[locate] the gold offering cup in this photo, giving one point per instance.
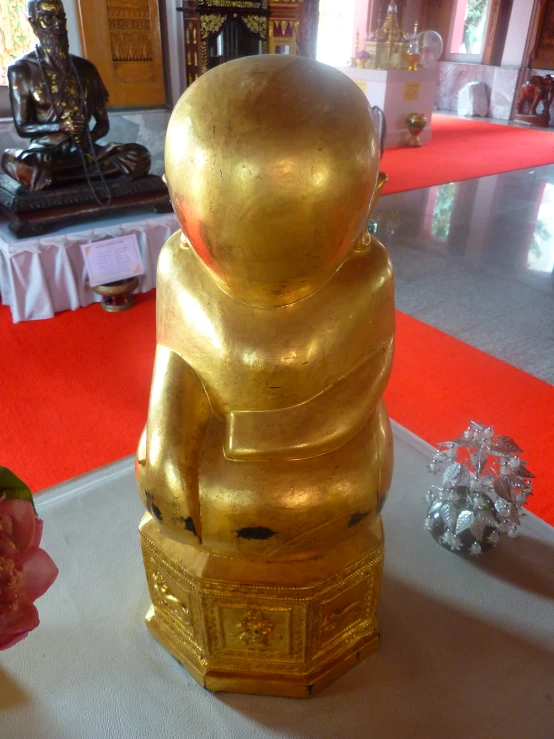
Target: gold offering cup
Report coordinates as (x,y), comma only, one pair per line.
(413,61)
(416,122)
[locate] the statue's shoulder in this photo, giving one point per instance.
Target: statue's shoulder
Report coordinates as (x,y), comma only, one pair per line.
(379,256)
(369,263)
(84,65)
(172,260)
(24,63)
(365,277)
(97,94)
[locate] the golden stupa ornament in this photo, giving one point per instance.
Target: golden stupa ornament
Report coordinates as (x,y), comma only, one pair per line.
(267,454)
(387,47)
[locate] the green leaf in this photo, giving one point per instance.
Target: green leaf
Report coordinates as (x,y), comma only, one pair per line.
(14,488)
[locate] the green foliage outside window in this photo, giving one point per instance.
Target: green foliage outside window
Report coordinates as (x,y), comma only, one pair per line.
(474,25)
(16,37)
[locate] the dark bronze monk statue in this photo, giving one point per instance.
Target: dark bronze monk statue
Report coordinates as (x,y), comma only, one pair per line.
(54,96)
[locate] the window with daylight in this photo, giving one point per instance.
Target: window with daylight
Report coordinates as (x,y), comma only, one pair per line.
(468,29)
(335,31)
(16,37)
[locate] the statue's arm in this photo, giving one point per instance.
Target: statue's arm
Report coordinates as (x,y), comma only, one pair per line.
(102,123)
(178,415)
(320,424)
(97,98)
(23,105)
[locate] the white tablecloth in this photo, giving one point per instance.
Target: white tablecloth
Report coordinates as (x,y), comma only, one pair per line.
(44,275)
(466,652)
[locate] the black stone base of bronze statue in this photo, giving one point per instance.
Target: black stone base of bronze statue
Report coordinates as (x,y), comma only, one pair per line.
(31,213)
(539,119)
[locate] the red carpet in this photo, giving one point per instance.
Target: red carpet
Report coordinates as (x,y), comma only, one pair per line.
(74,393)
(462,149)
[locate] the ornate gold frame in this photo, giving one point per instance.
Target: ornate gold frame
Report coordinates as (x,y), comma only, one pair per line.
(211,23)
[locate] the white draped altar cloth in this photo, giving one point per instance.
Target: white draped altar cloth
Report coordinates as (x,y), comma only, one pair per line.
(466,651)
(46,274)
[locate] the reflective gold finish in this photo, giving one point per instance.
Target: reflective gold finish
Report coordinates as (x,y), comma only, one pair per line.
(235,629)
(416,122)
(267,454)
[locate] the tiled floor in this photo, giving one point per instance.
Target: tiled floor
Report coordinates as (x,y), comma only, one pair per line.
(476,259)
(500,122)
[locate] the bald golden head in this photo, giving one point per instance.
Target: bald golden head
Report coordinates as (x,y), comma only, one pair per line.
(271,163)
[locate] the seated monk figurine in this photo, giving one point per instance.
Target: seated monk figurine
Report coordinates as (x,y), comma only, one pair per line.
(54,95)
(267,453)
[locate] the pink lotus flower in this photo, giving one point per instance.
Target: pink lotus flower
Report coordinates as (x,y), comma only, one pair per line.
(26,572)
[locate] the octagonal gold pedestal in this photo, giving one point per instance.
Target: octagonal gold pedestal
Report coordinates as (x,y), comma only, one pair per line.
(242,625)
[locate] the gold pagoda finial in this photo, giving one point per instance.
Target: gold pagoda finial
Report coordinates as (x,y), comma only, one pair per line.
(387,46)
(390,29)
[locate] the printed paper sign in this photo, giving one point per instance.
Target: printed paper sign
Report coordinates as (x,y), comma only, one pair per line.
(362,84)
(411,91)
(112,259)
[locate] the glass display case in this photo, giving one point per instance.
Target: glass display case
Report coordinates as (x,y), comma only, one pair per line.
(217,31)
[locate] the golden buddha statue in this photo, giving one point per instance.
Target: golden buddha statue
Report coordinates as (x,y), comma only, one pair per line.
(267,453)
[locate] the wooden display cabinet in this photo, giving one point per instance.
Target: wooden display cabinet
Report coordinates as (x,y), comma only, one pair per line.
(217,31)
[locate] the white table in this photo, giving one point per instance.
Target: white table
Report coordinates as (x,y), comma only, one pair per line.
(398,92)
(466,653)
(44,275)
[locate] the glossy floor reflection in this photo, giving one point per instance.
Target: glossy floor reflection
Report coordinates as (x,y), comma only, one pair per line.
(476,259)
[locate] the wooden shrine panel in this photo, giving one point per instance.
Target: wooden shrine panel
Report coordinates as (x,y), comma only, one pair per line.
(205,20)
(496,31)
(122,38)
(280,26)
(284,21)
(436,16)
(543,52)
(306,38)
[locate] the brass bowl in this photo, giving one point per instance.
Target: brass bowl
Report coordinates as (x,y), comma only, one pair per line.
(117,296)
(416,122)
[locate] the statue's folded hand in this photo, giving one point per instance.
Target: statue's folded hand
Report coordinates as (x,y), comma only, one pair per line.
(169,491)
(74,126)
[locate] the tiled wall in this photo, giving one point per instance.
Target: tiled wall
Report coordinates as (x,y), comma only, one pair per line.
(501,82)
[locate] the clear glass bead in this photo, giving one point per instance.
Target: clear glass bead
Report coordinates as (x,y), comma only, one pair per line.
(475,548)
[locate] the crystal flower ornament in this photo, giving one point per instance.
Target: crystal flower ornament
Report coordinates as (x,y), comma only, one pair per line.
(484,486)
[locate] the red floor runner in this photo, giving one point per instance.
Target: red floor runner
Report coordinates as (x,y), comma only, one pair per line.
(439,383)
(462,149)
(74,393)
